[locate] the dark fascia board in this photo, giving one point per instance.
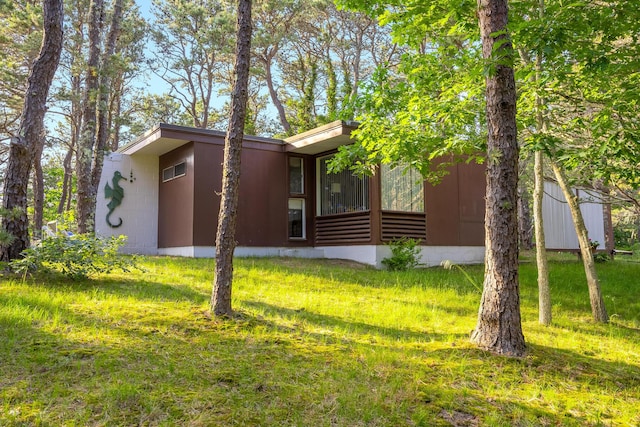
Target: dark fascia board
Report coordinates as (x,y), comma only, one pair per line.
(163,138)
(321,139)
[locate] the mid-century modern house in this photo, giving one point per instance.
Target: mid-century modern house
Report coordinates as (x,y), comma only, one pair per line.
(162,191)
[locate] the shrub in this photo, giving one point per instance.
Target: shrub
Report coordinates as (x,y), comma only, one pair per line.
(78,256)
(601,257)
(405,254)
(7,238)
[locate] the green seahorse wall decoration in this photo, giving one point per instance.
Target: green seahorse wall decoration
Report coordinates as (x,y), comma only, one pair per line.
(116,194)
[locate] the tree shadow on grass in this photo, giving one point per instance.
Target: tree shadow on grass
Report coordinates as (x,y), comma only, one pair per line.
(348,326)
(546,372)
(135,288)
(210,362)
(460,397)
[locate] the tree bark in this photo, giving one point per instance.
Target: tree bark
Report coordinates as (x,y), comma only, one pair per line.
(84,153)
(282,115)
(67,183)
(544,292)
(609,240)
(525,235)
(30,133)
(595,295)
(225,238)
(38,192)
(102,134)
(499,328)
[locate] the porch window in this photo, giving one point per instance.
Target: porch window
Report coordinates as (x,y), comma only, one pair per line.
(296,219)
(402,189)
(296,175)
(341,192)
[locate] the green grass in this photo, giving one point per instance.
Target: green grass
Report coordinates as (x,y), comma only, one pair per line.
(315,343)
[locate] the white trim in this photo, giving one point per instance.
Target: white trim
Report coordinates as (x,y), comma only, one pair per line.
(189,251)
(373,255)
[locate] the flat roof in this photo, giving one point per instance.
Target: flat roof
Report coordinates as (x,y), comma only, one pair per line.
(164,137)
(324,138)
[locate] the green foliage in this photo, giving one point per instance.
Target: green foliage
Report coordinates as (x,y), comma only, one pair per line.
(427,112)
(20,37)
(78,256)
(578,75)
(601,257)
(576,71)
(5,237)
(405,254)
(624,237)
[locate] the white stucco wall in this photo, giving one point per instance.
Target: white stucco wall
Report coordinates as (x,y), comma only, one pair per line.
(139,208)
(559,231)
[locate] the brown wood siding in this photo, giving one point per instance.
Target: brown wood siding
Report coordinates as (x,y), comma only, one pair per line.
(343,229)
(455,207)
(175,200)
(472,186)
(262,206)
(395,225)
(208,184)
(263,209)
(189,205)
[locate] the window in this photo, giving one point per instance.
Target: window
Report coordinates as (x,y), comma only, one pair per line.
(402,189)
(296,219)
(175,171)
(296,175)
(341,192)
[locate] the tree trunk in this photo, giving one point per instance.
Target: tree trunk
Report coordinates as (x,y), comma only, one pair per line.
(84,153)
(544,292)
(225,238)
(67,183)
(30,133)
(609,239)
(102,134)
(595,295)
(38,192)
(525,235)
(499,328)
(282,115)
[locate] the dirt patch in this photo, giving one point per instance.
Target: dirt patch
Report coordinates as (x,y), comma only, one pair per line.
(459,419)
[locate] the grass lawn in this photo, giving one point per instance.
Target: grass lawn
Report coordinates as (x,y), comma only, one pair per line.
(315,343)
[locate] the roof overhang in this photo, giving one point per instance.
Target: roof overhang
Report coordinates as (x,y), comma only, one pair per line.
(163,138)
(321,139)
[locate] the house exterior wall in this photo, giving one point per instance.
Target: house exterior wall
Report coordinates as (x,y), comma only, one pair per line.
(262,209)
(559,231)
(455,207)
(139,208)
(189,205)
(176,200)
(179,216)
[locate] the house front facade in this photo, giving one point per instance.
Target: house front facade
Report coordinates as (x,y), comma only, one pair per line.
(290,205)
